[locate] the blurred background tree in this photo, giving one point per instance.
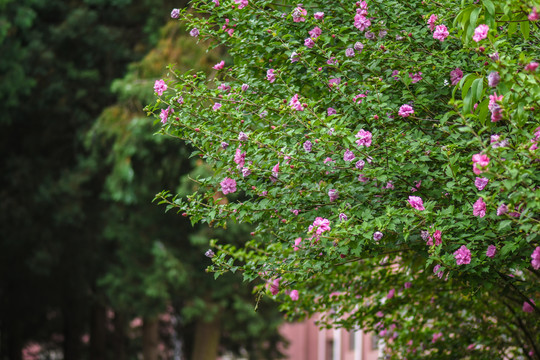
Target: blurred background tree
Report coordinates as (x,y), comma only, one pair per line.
(83,250)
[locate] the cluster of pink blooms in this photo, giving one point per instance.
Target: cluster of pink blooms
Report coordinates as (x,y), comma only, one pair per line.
(441,33)
(480,163)
(160,87)
(431,22)
(528,308)
(480,32)
(241,3)
(361,22)
(270,76)
(320,225)
(533,16)
(165,114)
(415,77)
(216,106)
(535,262)
(295,104)
(228,185)
(437,235)
(405,110)
(480,183)
(315,33)
(298,14)
(359,96)
(491,251)
(333,194)
(416,202)
(229,30)
(455,76)
(219,65)
(438,272)
(479,208)
(462,255)
(348,156)
(294,295)
(273,286)
(494,107)
(364,138)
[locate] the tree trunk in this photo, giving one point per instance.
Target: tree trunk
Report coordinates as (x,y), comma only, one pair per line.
(207,335)
(119,337)
(98,332)
(150,339)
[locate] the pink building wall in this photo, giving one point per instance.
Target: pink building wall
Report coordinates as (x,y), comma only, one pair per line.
(307,342)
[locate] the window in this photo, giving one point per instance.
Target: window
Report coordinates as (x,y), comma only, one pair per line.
(374,342)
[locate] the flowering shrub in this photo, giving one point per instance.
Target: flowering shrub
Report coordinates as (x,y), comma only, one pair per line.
(447,175)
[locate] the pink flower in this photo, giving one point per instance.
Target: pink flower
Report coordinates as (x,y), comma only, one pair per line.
(309,42)
(216,106)
(241,3)
(315,33)
(533,16)
(528,308)
(228,185)
(273,286)
(331,111)
(377,235)
(320,225)
(297,243)
(481,183)
(245,172)
(160,87)
(455,76)
(348,156)
(275,170)
(436,337)
(462,256)
(175,13)
(239,158)
(333,194)
(359,96)
(358,46)
(294,57)
(270,75)
(318,15)
(245,87)
(391,294)
(343,217)
(334,82)
(491,251)
(416,202)
(294,295)
(479,208)
(194,32)
(295,104)
(415,77)
(349,52)
(360,164)
(298,14)
(535,262)
(364,138)
(307,146)
(532,66)
(216,2)
(502,209)
(405,110)
(480,32)
(164,114)
(493,79)
(242,136)
(480,163)
(431,21)
(438,272)
(437,235)
(408,285)
(441,33)
(361,22)
(219,65)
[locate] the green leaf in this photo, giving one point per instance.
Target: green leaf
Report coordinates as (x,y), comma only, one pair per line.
(525,29)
